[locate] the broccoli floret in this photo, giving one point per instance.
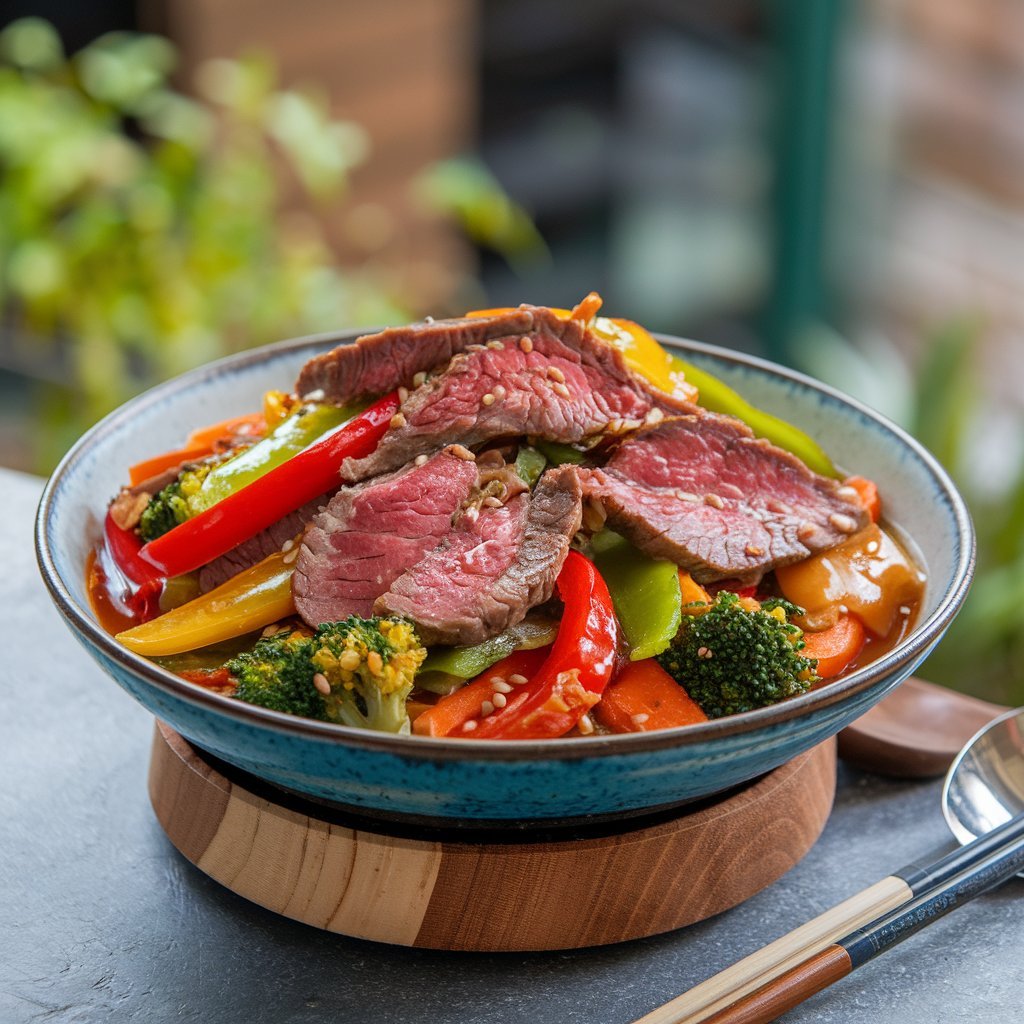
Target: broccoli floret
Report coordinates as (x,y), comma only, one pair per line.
(173,505)
(368,665)
(731,659)
(278,674)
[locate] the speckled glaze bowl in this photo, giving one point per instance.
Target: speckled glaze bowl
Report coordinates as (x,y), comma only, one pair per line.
(477,782)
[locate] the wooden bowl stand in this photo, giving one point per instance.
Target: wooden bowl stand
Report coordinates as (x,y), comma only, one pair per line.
(450,891)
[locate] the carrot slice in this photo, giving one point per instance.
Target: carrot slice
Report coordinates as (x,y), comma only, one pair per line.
(691,591)
(158,463)
(867,491)
(450,713)
(836,646)
(645,697)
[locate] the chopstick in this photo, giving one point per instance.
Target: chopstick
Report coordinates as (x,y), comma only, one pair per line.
(893,895)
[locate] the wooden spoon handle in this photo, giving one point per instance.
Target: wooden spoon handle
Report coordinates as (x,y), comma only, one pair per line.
(774,960)
(789,989)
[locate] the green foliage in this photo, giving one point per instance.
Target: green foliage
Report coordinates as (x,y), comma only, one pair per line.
(730,659)
(369,665)
(140,227)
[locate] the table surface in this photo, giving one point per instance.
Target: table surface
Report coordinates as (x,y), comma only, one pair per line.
(102,920)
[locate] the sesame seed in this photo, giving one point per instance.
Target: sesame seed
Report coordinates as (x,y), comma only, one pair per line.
(516,679)
(288,544)
(586,726)
(421,460)
(271,629)
(314,396)
(428,319)
(349,660)
(492,502)
(499,699)
(753,551)
(709,654)
(526,344)
(500,392)
(498,685)
(461,452)
(321,684)
(639,719)
(488,399)
(806,530)
(419,379)
(872,546)
(403,394)
(469,726)
(498,346)
(472,513)
(654,416)
(556,374)
(846,492)
(686,496)
(398,420)
(701,652)
(561,389)
(375,663)
(714,501)
(904,609)
(290,556)
(844,524)
(486,708)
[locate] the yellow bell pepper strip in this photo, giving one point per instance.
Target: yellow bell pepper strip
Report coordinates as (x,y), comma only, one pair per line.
(645,592)
(288,438)
(252,599)
(239,516)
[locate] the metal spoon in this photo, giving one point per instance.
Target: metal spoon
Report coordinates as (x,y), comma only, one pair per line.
(984,789)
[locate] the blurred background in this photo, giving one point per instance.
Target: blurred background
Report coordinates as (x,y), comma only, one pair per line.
(836,186)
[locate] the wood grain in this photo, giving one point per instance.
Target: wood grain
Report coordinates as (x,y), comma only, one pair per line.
(789,990)
(461,894)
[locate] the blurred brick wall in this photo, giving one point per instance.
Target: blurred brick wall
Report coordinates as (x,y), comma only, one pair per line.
(403,69)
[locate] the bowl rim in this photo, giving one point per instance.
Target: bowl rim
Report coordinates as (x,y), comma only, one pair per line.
(914,646)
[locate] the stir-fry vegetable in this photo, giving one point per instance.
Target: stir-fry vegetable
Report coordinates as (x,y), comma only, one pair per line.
(289,438)
(254,598)
(644,697)
(285,488)
(645,592)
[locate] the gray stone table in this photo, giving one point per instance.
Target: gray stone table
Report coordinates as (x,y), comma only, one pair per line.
(102,920)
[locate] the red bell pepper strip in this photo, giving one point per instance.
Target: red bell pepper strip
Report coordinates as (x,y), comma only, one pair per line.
(124,546)
(574,674)
(242,515)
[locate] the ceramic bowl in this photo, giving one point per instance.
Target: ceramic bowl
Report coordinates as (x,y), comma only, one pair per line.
(459,781)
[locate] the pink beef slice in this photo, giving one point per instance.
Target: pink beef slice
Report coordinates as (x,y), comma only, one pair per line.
(370,534)
(701,491)
(558,382)
(378,363)
(255,549)
(491,569)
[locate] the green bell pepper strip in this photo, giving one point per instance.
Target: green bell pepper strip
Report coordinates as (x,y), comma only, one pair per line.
(718,397)
(557,453)
(446,668)
(645,592)
(288,438)
(530,463)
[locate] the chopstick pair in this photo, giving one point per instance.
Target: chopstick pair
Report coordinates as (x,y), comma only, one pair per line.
(808,959)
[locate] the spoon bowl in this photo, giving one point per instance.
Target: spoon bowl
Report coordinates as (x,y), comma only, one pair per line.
(985,784)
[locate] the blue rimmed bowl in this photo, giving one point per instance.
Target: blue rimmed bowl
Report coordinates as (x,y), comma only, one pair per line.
(477,782)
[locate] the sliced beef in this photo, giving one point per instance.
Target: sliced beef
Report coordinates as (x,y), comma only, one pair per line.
(558,382)
(378,363)
(255,549)
(703,492)
(492,568)
(370,534)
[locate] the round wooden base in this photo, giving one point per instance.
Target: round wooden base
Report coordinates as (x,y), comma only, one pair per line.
(449,892)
